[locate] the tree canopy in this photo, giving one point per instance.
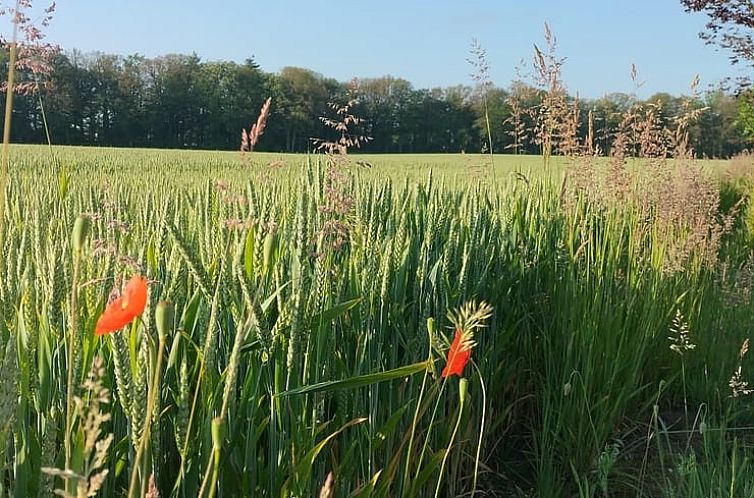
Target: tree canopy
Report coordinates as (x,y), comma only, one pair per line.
(181,101)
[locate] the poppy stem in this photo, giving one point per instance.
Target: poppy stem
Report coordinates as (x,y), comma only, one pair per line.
(413,426)
(429,429)
(462,395)
(415,421)
(481,427)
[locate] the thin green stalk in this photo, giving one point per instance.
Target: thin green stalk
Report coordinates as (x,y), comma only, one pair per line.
(9,101)
(5,164)
(213,466)
(217,426)
(415,421)
(685,399)
(734,453)
(481,429)
(145,435)
(489,132)
(184,450)
(44,122)
(9,94)
(429,429)
(71,362)
(219,422)
(462,388)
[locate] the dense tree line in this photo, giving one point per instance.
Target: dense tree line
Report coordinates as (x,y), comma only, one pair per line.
(180,101)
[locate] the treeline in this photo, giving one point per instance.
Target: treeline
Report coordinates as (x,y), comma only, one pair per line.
(180,101)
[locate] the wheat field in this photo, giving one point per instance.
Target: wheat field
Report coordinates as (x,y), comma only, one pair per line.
(300,312)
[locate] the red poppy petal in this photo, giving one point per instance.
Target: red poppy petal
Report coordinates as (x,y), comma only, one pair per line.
(457,357)
(136,295)
(115,317)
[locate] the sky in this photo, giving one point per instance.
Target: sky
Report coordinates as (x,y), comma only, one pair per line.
(423,41)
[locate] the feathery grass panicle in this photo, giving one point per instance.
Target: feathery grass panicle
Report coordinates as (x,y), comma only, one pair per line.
(250,139)
(738,386)
(90,468)
(680,337)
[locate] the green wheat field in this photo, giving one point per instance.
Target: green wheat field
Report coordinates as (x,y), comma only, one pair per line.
(313,304)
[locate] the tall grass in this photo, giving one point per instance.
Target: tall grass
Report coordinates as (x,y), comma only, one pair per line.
(292,356)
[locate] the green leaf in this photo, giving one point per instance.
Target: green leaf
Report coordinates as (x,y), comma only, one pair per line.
(359,381)
(433,273)
(152,256)
(174,351)
(269,251)
(389,426)
(248,255)
(64,180)
(267,302)
(426,473)
(45,362)
(366,490)
(190,313)
(323,317)
(334,312)
(304,468)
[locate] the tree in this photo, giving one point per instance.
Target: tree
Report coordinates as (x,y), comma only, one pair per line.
(381,100)
(731,26)
(720,133)
(302,95)
(494,111)
(746,114)
(181,101)
(173,100)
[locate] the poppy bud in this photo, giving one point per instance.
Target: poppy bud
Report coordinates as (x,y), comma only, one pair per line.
(164,316)
(80,232)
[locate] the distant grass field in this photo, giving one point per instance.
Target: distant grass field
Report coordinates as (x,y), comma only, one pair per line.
(95,161)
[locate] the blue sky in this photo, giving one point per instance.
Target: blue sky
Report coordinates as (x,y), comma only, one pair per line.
(424,41)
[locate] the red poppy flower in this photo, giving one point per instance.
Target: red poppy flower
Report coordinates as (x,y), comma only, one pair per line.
(458,355)
(122,311)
